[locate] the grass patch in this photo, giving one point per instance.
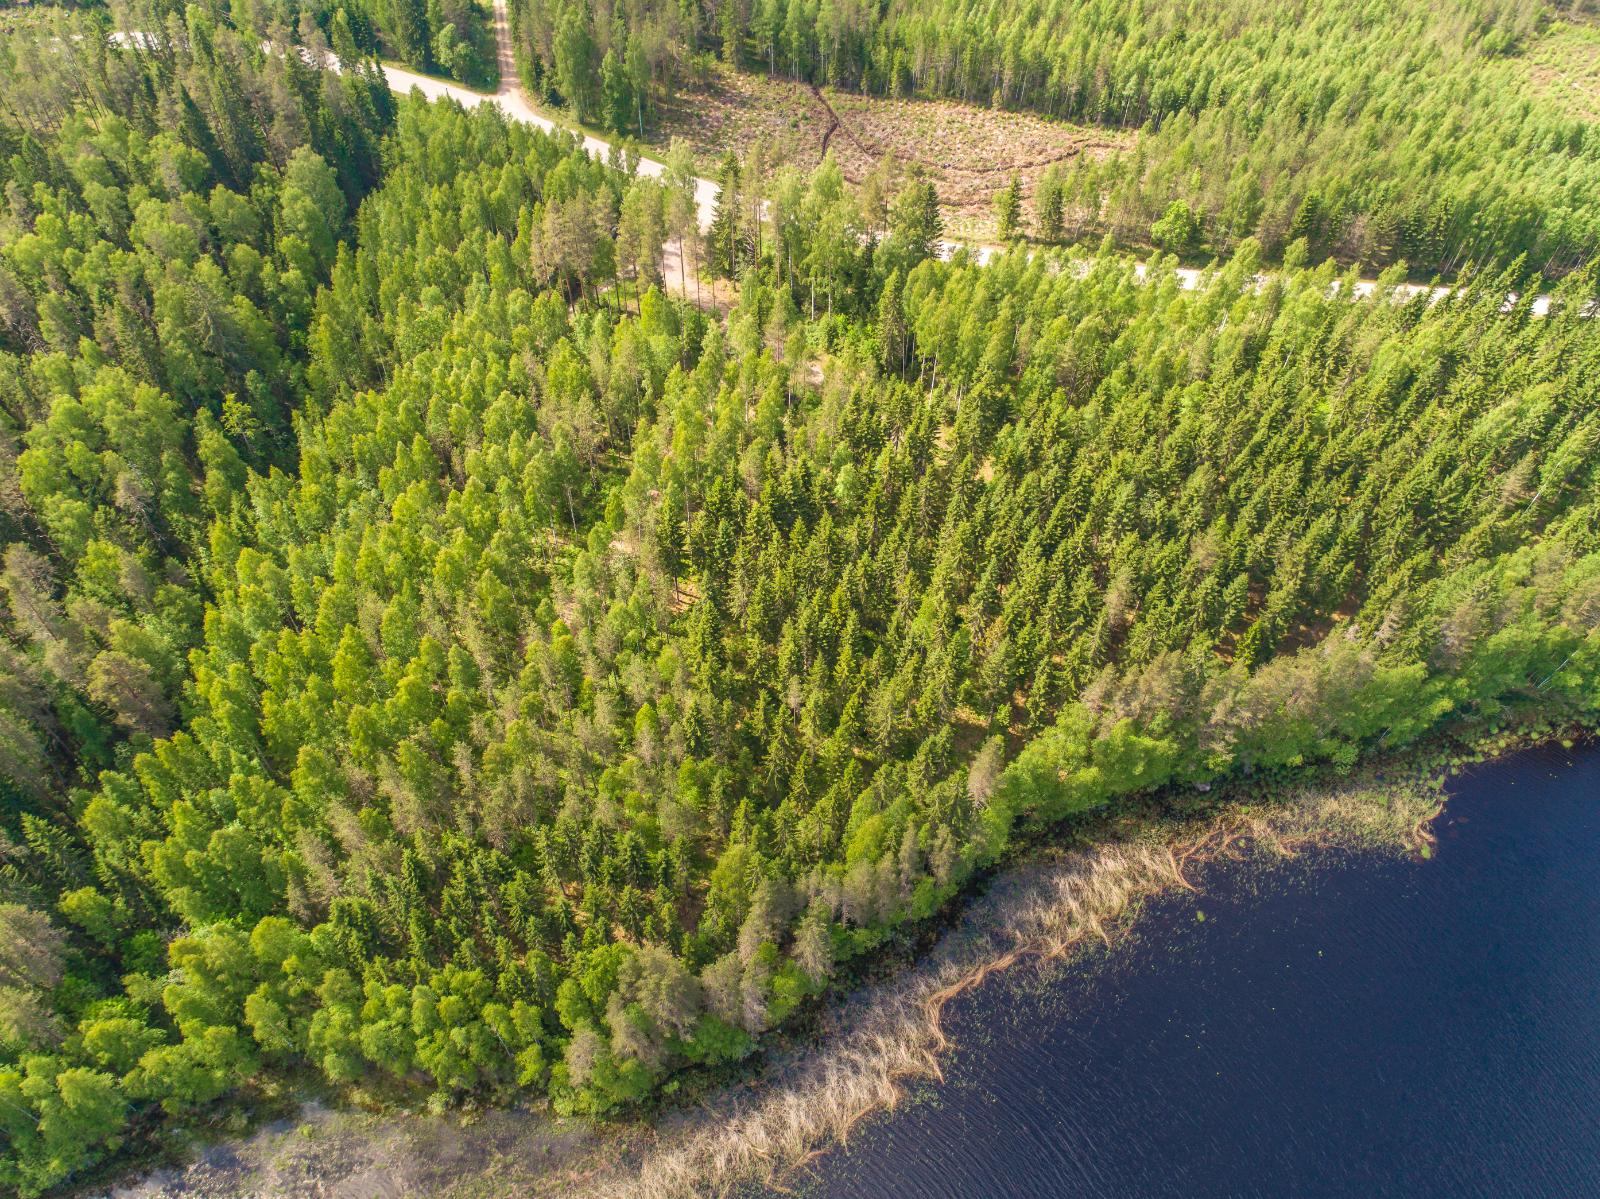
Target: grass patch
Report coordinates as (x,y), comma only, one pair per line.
(1564,67)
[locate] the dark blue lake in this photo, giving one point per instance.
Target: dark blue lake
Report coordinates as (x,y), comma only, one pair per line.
(1347,1025)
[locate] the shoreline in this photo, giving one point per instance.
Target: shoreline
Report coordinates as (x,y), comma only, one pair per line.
(1063,894)
(1050,908)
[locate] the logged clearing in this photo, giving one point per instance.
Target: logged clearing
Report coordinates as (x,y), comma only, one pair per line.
(1564,66)
(969,153)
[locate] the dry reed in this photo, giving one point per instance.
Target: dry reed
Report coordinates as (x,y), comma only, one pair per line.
(896,1035)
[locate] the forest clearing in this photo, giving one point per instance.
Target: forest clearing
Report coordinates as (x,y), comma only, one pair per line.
(967,153)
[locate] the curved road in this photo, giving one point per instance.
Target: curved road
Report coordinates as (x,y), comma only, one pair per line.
(514,104)
(510,100)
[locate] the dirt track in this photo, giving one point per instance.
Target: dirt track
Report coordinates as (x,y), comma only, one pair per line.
(955,126)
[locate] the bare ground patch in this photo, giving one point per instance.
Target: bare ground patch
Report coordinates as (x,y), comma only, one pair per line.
(738,111)
(969,153)
(689,279)
(1564,66)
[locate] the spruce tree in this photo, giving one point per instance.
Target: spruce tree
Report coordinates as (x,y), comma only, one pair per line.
(1008,211)
(723,239)
(1049,201)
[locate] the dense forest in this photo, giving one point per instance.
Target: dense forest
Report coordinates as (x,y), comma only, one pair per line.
(440,656)
(442,37)
(1375,131)
(452,38)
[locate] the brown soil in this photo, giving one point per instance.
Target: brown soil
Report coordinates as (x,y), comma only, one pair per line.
(969,153)
(680,278)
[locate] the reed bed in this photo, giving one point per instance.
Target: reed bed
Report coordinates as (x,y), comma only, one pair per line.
(895,1036)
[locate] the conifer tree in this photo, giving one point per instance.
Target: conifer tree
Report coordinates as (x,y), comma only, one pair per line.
(1049,201)
(1008,211)
(724,238)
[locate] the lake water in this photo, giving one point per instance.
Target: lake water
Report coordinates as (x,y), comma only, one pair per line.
(1348,1026)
